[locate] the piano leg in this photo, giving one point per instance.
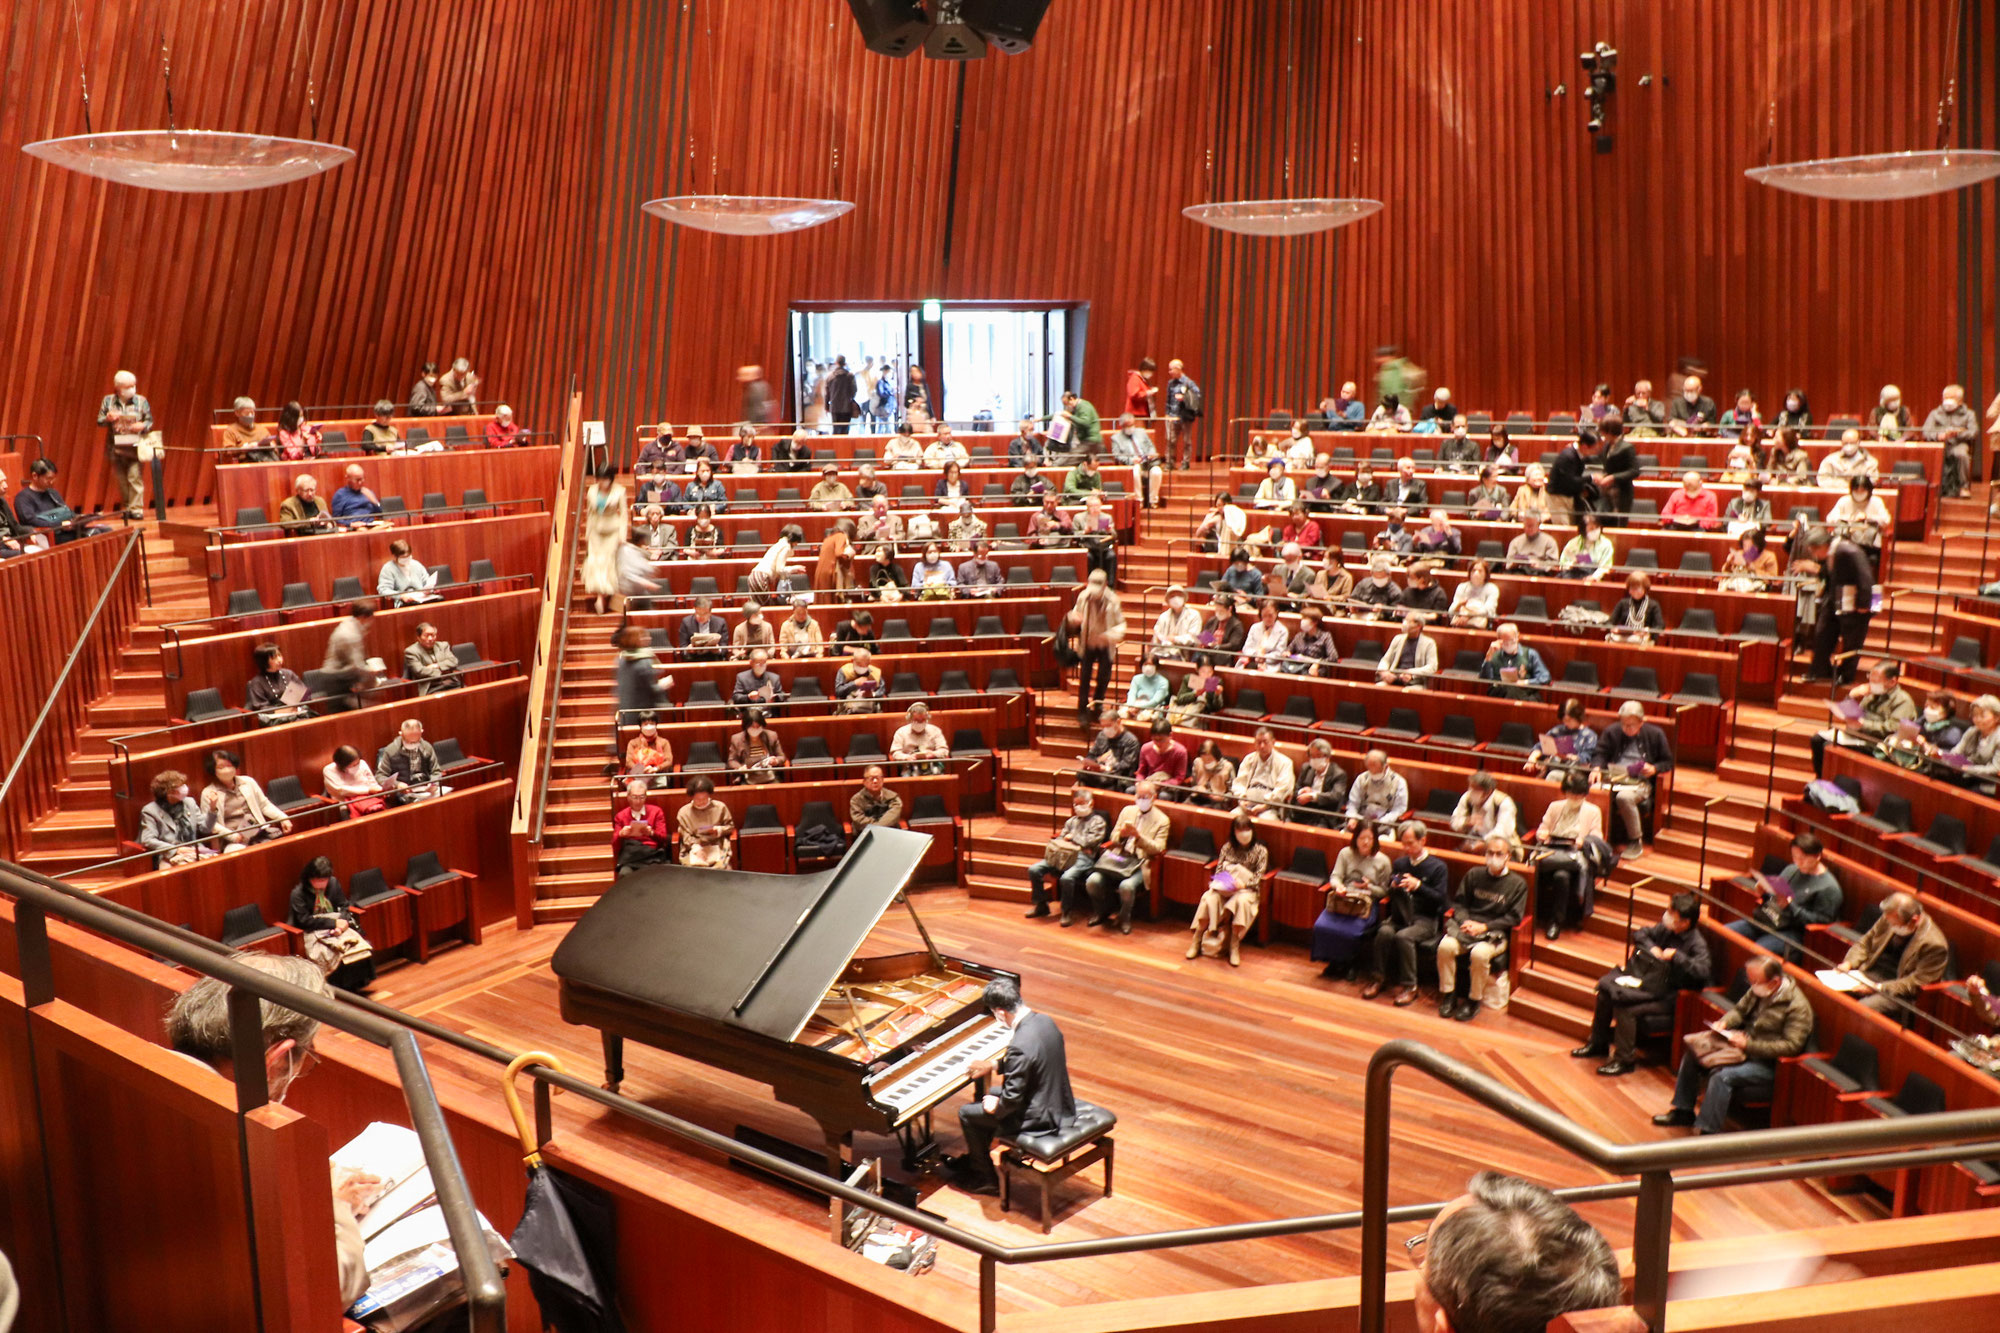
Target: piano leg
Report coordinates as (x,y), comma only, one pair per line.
(837,1145)
(614,1061)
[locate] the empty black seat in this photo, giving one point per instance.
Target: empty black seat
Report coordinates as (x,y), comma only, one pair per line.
(246,925)
(434,500)
(1299,709)
(953,682)
(1020,574)
(1458,728)
(905,683)
(455,434)
(371,886)
(912,491)
(863,745)
(968,743)
(207,706)
(1249,704)
(1003,680)
(1367,652)
(1036,625)
(1491,552)
(347,588)
(245,602)
(1403,723)
(474,497)
(296,594)
(1917,1096)
(703,585)
(810,751)
(251,516)
(1697,562)
(1531,606)
(1856,1066)
(1577,672)
(450,754)
(1348,715)
(896,629)
(416,435)
(288,794)
(1441,802)
(761,819)
(469,657)
(1700,687)
(789,495)
(1645,509)
(1644,557)
(703,693)
(1562,423)
(807,686)
(1514,738)
(1965,654)
(1638,680)
(988,627)
(442,575)
(943,627)
(480,571)
(702,757)
(1758,625)
(393,506)
(1945,837)
(1697,620)
(1892,815)
(1467,661)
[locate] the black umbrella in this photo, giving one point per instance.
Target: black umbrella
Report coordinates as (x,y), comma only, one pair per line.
(567,1235)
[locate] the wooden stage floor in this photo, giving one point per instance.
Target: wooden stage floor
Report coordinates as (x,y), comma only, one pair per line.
(1238,1092)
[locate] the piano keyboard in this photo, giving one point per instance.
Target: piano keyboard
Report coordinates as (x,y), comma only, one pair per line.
(925,1079)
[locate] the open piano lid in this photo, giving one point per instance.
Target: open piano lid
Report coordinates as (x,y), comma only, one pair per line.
(758,951)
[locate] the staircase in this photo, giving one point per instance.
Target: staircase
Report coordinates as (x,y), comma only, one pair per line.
(79,832)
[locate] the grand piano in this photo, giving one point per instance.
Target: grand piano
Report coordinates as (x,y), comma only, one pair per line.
(758,975)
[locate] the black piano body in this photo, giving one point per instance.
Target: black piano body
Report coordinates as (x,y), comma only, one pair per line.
(757,975)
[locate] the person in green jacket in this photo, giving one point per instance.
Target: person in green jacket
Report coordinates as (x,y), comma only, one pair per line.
(1086,430)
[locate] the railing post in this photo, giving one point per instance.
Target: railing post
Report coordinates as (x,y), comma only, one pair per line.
(989,1294)
(31,945)
(1375,1199)
(1652,1234)
(246,1050)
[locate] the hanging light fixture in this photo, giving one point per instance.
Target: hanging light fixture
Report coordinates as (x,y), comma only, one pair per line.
(1283,217)
(182,160)
(743,214)
(1873,176)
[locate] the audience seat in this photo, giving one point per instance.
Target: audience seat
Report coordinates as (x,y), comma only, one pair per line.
(704,694)
(761,845)
(469,657)
(1514,738)
(950,682)
(864,746)
(289,795)
(245,602)
(481,571)
(810,752)
(807,686)
(296,595)
(207,706)
(1348,715)
(1531,606)
(1249,705)
(703,757)
(244,927)
(905,683)
(347,588)
(1402,724)
(1580,673)
(1891,815)
(968,743)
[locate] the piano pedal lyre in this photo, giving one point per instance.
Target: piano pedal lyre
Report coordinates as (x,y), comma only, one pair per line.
(920,1144)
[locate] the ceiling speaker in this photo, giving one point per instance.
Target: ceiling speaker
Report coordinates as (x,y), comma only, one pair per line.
(891,27)
(954,41)
(1008,24)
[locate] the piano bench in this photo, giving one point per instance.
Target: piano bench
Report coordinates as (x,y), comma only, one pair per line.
(1054,1157)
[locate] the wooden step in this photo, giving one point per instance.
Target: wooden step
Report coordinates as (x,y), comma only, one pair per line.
(1546,1011)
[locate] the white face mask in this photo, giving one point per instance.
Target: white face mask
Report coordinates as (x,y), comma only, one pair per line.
(1082,808)
(1764,992)
(1934,715)
(1177,602)
(1245,839)
(1143,804)
(1496,865)
(1151,670)
(1908,930)
(180,793)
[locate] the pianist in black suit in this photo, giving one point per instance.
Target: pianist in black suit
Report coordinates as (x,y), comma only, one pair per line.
(1033,1097)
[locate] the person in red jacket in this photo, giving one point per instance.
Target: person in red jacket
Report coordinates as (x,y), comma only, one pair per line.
(1164,759)
(639,834)
(1140,389)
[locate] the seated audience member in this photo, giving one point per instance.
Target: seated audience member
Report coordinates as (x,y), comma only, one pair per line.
(932,575)
(944,450)
(1163,759)
(1412,916)
(1360,880)
(1637,616)
(1644,414)
(1491,900)
(1070,857)
(303,513)
(755,754)
(639,833)
(920,746)
(404,579)
(1178,629)
(752,632)
(354,504)
(1691,412)
(1411,657)
(705,826)
(432,661)
(1438,536)
(1803,894)
(830,493)
(868,488)
(1241,578)
(1312,650)
(1693,505)
(1028,486)
(660,539)
(1485,812)
(330,929)
(1632,752)
(171,826)
(1228,907)
(1291,577)
(1123,869)
(1665,960)
(409,765)
(200,1026)
(757,683)
(1977,754)
(1266,644)
(1749,507)
(1389,416)
(1345,410)
(799,635)
(1113,756)
(702,633)
(874,802)
(1773,1020)
(858,630)
(297,438)
(1744,414)
(1570,743)
(857,686)
(1565,874)
(697,451)
(1331,583)
(1025,449)
(1844,464)
(1589,555)
(1953,424)
(1749,566)
(1939,729)
(885,573)
(1296,449)
(967,528)
(275,694)
(243,815)
(1276,491)
(458,390)
(379,436)
(1379,590)
(1367,495)
(649,754)
(1489,499)
(1301,530)
(1321,792)
(1084,478)
(1532,551)
(1889,421)
(501,432)
(1903,952)
(1378,794)
(1394,537)
(1508,1257)
(1223,633)
(1424,594)
(1872,713)
(16,537)
(1459,453)
(1786,459)
(244,439)
(1532,496)
(1441,409)
(1475,603)
(705,489)
(1050,526)
(704,535)
(1146,696)
(1861,517)
(1515,670)
(1211,776)
(348,780)
(1264,778)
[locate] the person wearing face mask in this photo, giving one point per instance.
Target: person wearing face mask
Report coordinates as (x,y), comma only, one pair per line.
(1631,753)
(1844,464)
(1939,728)
(1178,628)
(1411,658)
(1870,714)
(1459,454)
(247,441)
(1795,414)
(1666,959)
(1803,894)
(1228,907)
(1889,420)
(1146,696)
(332,934)
(1163,759)
(1490,902)
(171,826)
(1484,813)
(424,398)
(1565,876)
(1265,645)
(1903,952)
(1124,867)
(1265,778)
(1772,1022)
(1692,412)
(1069,856)
(1412,916)
(1378,794)
(1098,621)
(1644,414)
(1977,754)
(1953,424)
(199,1028)
(1320,798)
(1113,756)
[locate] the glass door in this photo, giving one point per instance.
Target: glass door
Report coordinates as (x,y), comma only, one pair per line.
(995,367)
(877,346)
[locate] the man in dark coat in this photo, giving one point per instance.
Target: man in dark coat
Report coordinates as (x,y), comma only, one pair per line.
(1034,1095)
(1667,959)
(840,395)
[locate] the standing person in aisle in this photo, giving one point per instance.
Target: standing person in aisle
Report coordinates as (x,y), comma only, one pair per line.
(1183,407)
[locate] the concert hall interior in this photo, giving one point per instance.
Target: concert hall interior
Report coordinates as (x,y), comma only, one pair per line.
(944,666)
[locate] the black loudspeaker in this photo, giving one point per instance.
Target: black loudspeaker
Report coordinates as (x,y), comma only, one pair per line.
(954,41)
(891,27)
(1008,24)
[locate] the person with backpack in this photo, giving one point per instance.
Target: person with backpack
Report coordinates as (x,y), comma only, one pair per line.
(1183,409)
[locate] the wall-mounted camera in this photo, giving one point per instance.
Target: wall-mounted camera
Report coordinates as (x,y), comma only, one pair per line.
(1600,68)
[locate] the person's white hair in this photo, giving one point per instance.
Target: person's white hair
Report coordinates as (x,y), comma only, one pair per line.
(125,379)
(198,1019)
(243,404)
(503,411)
(409,722)
(1631,708)
(304,479)
(461,365)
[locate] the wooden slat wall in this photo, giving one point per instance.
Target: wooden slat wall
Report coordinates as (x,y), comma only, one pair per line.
(464,226)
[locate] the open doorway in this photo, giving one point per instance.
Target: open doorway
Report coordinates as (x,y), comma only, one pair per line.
(876,343)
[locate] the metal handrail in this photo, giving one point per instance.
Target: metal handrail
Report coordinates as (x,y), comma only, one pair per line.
(355,449)
(171,632)
(38,898)
(563,592)
(286,528)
